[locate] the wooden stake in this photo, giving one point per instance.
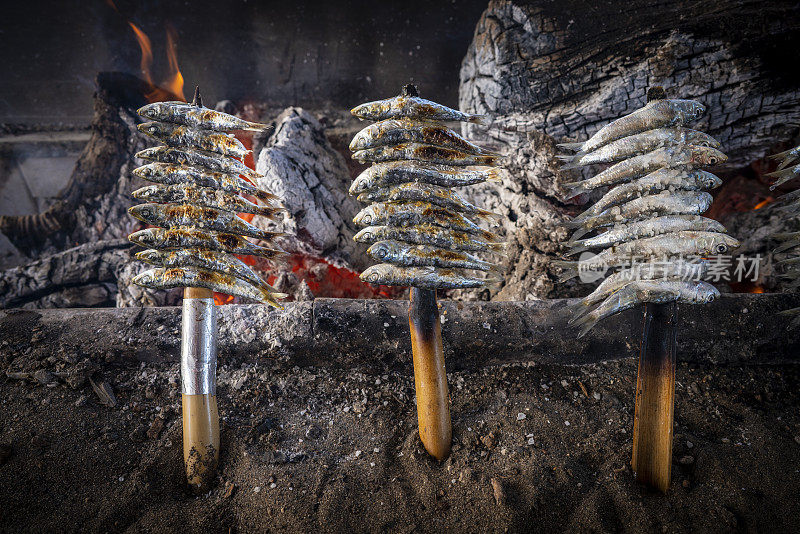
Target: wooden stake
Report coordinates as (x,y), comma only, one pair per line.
(655,397)
(198,379)
(430,379)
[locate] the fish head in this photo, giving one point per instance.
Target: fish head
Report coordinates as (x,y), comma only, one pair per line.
(150,128)
(367,216)
(152,111)
(145,279)
(145,238)
(366,235)
(149,256)
(385,250)
(705,293)
(144,212)
(378,274)
(698,138)
(360,140)
(707,156)
(722,243)
(148,192)
(708,180)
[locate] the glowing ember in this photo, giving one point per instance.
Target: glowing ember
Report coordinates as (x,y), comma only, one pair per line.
(763,203)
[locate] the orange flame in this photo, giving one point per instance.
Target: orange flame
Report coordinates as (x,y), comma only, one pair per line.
(175,82)
(763,203)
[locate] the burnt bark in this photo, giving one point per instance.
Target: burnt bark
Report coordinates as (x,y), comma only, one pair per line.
(559,71)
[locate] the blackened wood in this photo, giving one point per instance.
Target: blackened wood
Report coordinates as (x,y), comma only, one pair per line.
(655,396)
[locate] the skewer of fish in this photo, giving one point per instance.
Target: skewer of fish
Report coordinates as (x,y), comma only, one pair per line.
(648,228)
(194,207)
(789,247)
(424,235)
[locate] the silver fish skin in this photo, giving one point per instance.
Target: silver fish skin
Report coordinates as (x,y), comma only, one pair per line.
(641,143)
(422,192)
(412,213)
(208,161)
(668,268)
(398,172)
(162,278)
(646,228)
(180,238)
(196,117)
(783,176)
(178,136)
(205,197)
(187,215)
(428,234)
(410,255)
(655,114)
(657,181)
(664,203)
(641,291)
(788,157)
(413,107)
(638,166)
(397,131)
(683,243)
(422,152)
(421,277)
(172,174)
(205,259)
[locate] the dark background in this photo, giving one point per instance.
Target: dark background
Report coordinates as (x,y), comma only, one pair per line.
(303,52)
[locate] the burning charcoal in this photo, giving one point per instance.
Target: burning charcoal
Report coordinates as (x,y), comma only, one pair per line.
(424,234)
(650,234)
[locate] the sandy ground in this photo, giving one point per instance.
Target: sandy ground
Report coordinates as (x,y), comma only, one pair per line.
(536,448)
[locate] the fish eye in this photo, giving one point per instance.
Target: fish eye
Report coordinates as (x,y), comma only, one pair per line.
(374,277)
(712,160)
(722,248)
(382,252)
(366,219)
(710,298)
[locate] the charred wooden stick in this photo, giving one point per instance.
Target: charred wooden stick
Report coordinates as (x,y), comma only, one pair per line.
(655,397)
(198,387)
(430,379)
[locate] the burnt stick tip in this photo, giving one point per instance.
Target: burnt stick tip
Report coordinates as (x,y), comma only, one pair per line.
(197,100)
(410,90)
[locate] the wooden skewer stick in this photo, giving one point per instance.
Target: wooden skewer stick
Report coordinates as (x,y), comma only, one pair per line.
(655,397)
(430,379)
(198,382)
(655,387)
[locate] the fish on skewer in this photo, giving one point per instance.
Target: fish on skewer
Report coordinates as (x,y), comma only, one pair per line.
(654,291)
(208,161)
(641,143)
(411,255)
(163,278)
(194,116)
(171,174)
(413,213)
(788,157)
(421,277)
(422,152)
(187,215)
(205,197)
(437,236)
(211,260)
(404,130)
(655,114)
(413,107)
(638,166)
(398,172)
(434,194)
(178,136)
(654,226)
(178,238)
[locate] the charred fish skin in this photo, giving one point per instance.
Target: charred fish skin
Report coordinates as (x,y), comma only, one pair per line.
(434,194)
(205,259)
(399,131)
(178,136)
(196,117)
(414,213)
(413,107)
(411,255)
(201,159)
(422,152)
(655,114)
(187,215)
(204,197)
(437,236)
(179,238)
(421,277)
(163,278)
(399,172)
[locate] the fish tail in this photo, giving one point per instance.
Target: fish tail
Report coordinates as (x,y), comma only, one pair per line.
(494,175)
(789,312)
(786,156)
(570,268)
(574,189)
(579,233)
(498,248)
(263,196)
(585,323)
(573,164)
(782,176)
(571,146)
(577,249)
(482,120)
(255,127)
(579,309)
